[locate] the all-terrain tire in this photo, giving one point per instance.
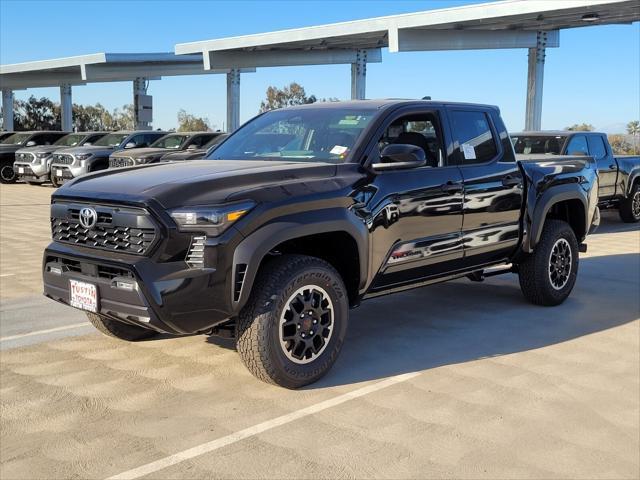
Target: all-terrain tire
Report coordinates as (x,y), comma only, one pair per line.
(120,330)
(629,209)
(557,251)
(7,174)
(260,325)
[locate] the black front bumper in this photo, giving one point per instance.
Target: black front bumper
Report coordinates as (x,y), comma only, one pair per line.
(167,297)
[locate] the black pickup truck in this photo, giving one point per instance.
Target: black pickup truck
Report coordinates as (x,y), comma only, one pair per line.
(618,176)
(304,212)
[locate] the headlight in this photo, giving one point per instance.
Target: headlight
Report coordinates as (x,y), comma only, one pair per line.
(213,220)
(147,159)
(82,156)
(42,155)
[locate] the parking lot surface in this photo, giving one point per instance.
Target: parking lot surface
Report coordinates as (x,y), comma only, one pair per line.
(457,380)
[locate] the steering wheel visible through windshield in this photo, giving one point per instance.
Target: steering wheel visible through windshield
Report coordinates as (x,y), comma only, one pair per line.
(305,134)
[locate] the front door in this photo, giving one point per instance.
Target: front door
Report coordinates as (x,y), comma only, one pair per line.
(415,215)
(607,168)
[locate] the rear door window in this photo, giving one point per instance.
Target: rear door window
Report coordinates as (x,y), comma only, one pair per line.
(596,147)
(475,140)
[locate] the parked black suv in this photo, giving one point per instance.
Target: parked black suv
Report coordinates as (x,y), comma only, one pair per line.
(196,153)
(173,142)
(304,212)
(11,144)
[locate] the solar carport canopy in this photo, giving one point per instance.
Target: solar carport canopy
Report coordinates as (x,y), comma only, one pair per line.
(506,24)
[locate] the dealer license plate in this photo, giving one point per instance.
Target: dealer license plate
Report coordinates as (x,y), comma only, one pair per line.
(83,295)
(58,173)
(20,169)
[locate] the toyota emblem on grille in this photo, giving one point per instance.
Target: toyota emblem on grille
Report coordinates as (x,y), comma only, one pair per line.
(88,217)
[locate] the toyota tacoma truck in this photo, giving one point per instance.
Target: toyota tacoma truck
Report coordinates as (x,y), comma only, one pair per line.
(33,164)
(78,161)
(11,144)
(195,153)
(173,142)
(304,212)
(618,175)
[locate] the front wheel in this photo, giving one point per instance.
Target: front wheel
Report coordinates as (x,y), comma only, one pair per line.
(548,275)
(295,321)
(7,173)
(630,207)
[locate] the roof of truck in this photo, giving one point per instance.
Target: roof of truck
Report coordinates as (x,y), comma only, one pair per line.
(559,133)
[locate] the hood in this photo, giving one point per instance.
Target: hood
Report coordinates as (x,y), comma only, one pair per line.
(94,149)
(39,149)
(141,152)
(185,154)
(6,149)
(195,182)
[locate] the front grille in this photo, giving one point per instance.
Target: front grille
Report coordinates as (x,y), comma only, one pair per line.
(90,269)
(25,157)
(118,162)
(63,159)
(118,229)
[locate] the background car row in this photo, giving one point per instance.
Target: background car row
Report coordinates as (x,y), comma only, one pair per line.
(41,156)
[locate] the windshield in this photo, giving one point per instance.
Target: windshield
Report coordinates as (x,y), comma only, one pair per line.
(70,140)
(549,144)
(16,138)
(309,134)
(173,142)
(111,140)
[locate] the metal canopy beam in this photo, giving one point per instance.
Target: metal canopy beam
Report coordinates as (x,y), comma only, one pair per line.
(7,109)
(284,58)
(66,108)
(410,40)
(359,76)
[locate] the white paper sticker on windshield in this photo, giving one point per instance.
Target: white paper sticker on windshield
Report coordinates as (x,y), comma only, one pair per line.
(339,150)
(469,151)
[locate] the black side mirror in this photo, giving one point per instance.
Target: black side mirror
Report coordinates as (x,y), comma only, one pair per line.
(400,156)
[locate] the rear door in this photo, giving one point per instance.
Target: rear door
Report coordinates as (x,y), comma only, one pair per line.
(607,167)
(493,185)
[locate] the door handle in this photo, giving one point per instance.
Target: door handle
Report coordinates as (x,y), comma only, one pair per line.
(510,181)
(451,187)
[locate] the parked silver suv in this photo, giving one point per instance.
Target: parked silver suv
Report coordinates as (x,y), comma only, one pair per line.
(33,164)
(73,162)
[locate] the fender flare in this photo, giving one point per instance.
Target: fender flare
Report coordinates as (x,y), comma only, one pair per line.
(253,249)
(544,203)
(634,177)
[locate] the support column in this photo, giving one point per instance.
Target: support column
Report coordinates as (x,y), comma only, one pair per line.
(66,107)
(359,76)
(233,99)
(142,104)
(7,110)
(535,79)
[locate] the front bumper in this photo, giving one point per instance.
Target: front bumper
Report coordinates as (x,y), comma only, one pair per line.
(33,172)
(167,297)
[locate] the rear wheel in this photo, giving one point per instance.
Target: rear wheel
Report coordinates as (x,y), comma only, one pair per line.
(548,275)
(630,207)
(121,330)
(7,174)
(295,322)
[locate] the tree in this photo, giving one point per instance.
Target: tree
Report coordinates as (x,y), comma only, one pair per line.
(582,127)
(191,123)
(293,94)
(619,145)
(633,129)
(36,114)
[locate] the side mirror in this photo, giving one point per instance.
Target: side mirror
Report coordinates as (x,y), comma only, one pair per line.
(130,145)
(30,143)
(87,144)
(399,157)
(193,146)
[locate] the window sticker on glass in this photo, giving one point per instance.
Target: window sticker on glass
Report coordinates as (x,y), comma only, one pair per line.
(469,151)
(339,150)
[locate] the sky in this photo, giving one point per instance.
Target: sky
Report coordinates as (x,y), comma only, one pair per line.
(594,76)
